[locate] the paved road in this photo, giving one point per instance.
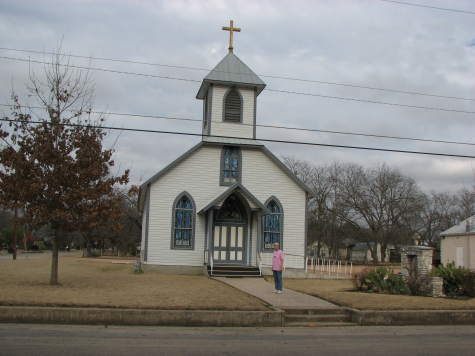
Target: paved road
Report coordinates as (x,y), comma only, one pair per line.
(38,340)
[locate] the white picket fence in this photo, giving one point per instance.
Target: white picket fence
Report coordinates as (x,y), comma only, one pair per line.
(329,266)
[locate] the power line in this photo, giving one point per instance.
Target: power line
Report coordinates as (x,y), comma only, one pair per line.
(267,89)
(261,75)
(164,117)
(429,6)
(102,69)
(255,140)
(371,101)
(368,135)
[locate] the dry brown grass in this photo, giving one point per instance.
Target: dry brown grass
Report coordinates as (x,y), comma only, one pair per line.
(86,283)
(341,292)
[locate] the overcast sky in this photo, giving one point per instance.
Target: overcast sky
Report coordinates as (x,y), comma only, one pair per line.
(362,42)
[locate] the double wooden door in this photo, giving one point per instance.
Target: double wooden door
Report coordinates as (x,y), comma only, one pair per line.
(228,243)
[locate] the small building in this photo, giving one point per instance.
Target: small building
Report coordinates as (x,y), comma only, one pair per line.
(229,198)
(361,252)
(457,244)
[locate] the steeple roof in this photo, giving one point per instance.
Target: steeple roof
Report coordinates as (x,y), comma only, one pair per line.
(231,71)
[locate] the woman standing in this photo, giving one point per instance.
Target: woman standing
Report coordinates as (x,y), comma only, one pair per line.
(277,266)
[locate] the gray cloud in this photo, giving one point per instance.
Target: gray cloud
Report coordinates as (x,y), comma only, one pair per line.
(362,42)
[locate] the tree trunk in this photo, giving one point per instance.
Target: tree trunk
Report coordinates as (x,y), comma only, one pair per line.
(14,233)
(88,249)
(54,260)
(383,252)
(374,252)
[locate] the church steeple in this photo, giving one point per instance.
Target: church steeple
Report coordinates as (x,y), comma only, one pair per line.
(230,93)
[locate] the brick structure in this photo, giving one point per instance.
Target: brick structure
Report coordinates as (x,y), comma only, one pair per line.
(437,287)
(416,261)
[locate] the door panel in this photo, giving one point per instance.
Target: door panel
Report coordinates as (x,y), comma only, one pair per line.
(239,237)
(228,243)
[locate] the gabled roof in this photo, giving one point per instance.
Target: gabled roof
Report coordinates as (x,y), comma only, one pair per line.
(286,170)
(231,71)
(166,169)
(188,153)
(254,203)
(460,228)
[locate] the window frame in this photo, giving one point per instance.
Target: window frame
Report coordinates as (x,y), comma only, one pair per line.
(173,244)
(281,224)
(222,167)
(241,106)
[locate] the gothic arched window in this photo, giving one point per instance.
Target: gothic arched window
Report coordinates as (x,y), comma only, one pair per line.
(273,224)
(183,224)
(230,165)
(232,106)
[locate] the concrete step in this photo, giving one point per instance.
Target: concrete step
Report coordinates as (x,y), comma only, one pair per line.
(314,311)
(234,271)
(234,275)
(316,318)
(318,324)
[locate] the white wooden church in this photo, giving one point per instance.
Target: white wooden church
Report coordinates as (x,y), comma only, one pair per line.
(223,203)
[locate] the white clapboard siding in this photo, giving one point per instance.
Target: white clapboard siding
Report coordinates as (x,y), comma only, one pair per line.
(199,176)
(265,179)
(232,129)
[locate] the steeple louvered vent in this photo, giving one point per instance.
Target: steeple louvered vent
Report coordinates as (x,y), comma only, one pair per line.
(232,106)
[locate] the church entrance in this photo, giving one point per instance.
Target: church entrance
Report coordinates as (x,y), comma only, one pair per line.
(230,231)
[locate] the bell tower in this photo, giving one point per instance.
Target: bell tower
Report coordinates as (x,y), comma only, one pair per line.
(229,93)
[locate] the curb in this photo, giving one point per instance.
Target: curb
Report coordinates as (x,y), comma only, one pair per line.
(412,317)
(148,317)
(273,317)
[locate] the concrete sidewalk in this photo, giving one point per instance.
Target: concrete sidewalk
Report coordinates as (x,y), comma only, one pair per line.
(289,299)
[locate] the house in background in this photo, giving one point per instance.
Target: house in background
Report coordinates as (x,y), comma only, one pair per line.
(360,252)
(457,244)
(351,250)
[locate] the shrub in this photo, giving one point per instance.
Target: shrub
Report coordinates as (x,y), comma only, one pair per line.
(380,280)
(419,285)
(458,281)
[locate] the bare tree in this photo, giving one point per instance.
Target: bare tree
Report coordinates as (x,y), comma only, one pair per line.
(438,214)
(465,202)
(383,205)
(327,225)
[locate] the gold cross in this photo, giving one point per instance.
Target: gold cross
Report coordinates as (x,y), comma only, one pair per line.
(231,29)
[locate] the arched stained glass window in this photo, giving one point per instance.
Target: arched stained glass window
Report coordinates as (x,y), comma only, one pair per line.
(272,224)
(183,222)
(230,165)
(232,106)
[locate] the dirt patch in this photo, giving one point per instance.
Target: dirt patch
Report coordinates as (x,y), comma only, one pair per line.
(89,284)
(342,292)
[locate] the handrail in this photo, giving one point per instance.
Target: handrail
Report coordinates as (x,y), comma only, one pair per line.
(291,254)
(259,262)
(211,263)
(208,260)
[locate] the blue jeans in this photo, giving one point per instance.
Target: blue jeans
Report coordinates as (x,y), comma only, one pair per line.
(278,280)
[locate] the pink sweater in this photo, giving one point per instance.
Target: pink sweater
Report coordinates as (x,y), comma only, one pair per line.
(277,260)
